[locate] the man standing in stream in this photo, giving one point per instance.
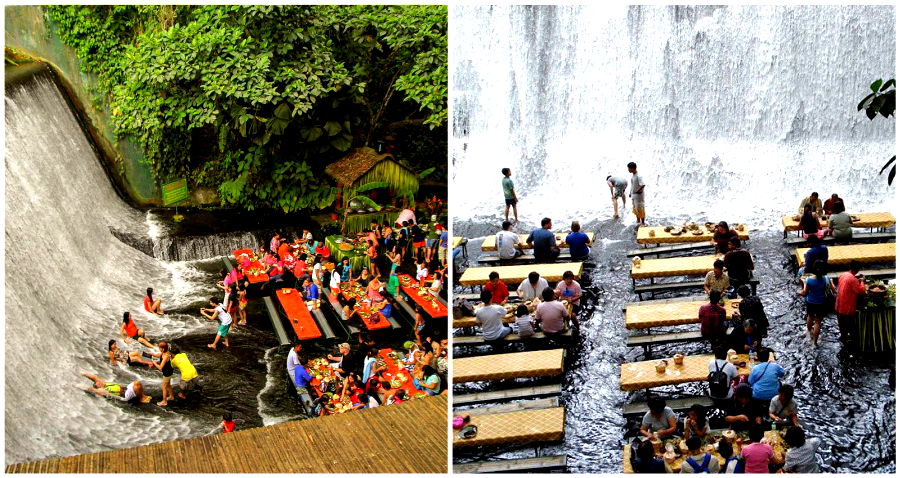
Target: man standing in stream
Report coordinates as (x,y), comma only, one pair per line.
(637,194)
(509,193)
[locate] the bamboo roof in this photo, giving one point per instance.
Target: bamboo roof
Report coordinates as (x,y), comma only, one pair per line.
(347,170)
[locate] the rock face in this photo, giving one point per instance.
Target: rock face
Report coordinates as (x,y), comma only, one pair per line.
(204,197)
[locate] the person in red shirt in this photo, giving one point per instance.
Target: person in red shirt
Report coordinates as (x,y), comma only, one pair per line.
(850,286)
(284,248)
(828,208)
(322,250)
(499,291)
(712,320)
(152,305)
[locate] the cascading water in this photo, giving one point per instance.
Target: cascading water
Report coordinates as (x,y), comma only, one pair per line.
(712,103)
(731,113)
(68,279)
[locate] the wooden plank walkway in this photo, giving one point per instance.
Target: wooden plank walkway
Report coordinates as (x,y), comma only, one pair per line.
(514,275)
(645,316)
(320,445)
(660,236)
(490,242)
(528,426)
(641,375)
(543,363)
(865,253)
(866,220)
(673,266)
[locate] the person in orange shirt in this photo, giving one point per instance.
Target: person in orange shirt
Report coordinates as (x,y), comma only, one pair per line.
(850,286)
(152,305)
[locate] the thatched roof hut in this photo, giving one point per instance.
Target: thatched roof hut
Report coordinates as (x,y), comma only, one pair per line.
(365,166)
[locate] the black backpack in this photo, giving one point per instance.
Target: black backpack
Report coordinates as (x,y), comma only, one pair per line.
(718,382)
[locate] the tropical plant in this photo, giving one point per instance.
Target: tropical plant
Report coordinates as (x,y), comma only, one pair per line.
(882,100)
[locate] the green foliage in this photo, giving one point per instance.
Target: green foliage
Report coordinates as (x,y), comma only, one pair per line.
(256,100)
(882,101)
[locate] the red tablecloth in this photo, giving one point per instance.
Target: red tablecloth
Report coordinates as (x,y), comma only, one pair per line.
(411,288)
(298,315)
(352,290)
(395,370)
(255,264)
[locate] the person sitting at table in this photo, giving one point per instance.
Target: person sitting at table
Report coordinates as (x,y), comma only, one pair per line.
(745,338)
(352,386)
(721,236)
(421,271)
(387,310)
(531,287)
(840,224)
(738,262)
(757,456)
(782,407)
(276,271)
(544,242)
(363,278)
(828,207)
(698,461)
(499,291)
(716,280)
(578,242)
(275,242)
(551,314)
(659,420)
(490,318)
(310,290)
(809,223)
(373,290)
(437,284)
(570,290)
(813,202)
(695,423)
(301,269)
(751,307)
(370,365)
(733,464)
(509,244)
(343,361)
(742,412)
(322,249)
(289,262)
(801,456)
(524,321)
(721,391)
(647,461)
(428,380)
(396,397)
(764,378)
(712,320)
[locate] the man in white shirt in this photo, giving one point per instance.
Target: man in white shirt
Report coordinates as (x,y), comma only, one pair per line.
(509,245)
(532,287)
(293,360)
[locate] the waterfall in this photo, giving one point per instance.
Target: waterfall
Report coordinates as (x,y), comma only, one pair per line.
(731,113)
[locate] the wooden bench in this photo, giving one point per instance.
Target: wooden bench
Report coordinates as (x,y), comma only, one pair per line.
(640,408)
(649,340)
(339,311)
(505,395)
(652,289)
(519,465)
(474,340)
(548,402)
(677,248)
(524,259)
(865,237)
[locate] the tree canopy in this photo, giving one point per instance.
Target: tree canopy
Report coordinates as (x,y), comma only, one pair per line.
(882,101)
(256,100)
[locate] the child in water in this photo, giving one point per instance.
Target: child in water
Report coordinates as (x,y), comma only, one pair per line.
(226,426)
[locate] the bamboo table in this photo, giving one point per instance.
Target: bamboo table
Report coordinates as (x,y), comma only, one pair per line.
(674,266)
(490,242)
(660,236)
(528,426)
(643,375)
(553,272)
(543,363)
(871,220)
(646,316)
(865,253)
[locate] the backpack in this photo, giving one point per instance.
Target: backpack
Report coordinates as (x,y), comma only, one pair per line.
(701,468)
(462,308)
(718,382)
(738,465)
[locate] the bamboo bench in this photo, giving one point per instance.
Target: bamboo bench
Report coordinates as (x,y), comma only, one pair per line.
(518,465)
(640,408)
(505,395)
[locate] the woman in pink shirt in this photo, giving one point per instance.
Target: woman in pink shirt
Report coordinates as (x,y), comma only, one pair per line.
(757,456)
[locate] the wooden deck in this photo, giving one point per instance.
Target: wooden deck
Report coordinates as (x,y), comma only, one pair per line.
(864,253)
(490,242)
(544,363)
(321,445)
(514,275)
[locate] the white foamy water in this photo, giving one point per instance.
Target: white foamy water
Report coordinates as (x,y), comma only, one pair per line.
(730,112)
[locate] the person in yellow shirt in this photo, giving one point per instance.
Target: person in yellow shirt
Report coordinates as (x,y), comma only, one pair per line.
(190,379)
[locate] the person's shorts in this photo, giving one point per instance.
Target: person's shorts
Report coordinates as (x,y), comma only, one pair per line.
(223,330)
(442,254)
(431,243)
(419,244)
(511,202)
(166,380)
(815,310)
(242,304)
(190,385)
(637,204)
(113,389)
(619,193)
